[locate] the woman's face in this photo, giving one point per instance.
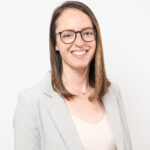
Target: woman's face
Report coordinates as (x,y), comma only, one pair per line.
(74,19)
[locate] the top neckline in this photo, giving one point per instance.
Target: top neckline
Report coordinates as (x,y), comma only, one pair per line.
(90,124)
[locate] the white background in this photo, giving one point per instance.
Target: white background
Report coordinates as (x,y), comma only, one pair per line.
(24,57)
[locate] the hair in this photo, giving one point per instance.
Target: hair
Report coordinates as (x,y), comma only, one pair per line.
(97,74)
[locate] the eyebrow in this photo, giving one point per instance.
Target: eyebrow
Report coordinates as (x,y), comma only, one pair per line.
(80,29)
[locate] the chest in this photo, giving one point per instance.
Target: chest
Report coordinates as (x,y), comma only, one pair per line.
(90,112)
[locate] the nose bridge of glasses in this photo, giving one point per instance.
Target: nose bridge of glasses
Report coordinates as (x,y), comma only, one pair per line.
(80,34)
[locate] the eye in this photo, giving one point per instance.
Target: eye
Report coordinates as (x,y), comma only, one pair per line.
(67,35)
(87,33)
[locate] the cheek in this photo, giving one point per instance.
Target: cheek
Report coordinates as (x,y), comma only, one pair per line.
(64,49)
(92,45)
(61,46)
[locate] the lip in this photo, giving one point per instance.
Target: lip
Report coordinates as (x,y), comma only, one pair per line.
(78,50)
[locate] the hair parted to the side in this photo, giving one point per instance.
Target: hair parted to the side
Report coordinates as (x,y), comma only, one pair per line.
(97,74)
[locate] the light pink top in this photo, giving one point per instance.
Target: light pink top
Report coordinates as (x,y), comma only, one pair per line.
(97,136)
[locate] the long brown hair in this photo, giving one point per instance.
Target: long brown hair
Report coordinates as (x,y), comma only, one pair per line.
(97,74)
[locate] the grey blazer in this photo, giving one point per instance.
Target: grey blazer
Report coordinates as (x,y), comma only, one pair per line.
(42,121)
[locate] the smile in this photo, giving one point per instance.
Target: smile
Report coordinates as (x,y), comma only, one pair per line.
(79,54)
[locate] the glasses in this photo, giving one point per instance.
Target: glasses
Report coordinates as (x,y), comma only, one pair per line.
(69,36)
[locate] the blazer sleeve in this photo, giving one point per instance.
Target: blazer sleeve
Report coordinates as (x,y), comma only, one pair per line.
(25,124)
(126,133)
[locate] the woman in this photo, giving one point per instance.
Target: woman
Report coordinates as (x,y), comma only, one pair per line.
(75,107)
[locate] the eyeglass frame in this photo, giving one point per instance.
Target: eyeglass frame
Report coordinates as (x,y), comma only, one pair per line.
(80,31)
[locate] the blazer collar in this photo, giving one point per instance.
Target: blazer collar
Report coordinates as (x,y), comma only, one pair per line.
(57,107)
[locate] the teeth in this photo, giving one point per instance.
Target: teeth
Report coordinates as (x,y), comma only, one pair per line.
(79,53)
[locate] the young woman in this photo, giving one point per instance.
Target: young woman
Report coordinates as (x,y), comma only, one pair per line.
(75,107)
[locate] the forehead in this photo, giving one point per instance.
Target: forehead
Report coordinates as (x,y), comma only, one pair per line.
(73,19)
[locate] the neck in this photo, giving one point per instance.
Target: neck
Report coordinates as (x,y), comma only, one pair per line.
(76,78)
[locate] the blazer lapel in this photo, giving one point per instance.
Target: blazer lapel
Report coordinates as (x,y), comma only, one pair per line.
(111,107)
(60,114)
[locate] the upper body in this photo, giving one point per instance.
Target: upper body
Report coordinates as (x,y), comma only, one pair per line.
(43,122)
(78,86)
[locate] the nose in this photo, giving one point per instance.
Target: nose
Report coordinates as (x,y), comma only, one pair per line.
(78,41)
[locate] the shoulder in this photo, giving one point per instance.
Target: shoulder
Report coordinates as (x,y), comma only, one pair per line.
(29,98)
(114,88)
(27,104)
(31,93)
(115,92)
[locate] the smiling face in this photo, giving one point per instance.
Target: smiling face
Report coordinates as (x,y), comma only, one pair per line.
(78,54)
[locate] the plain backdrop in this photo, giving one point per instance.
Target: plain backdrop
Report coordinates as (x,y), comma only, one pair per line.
(24,57)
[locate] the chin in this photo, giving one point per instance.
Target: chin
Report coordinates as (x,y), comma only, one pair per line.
(80,66)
